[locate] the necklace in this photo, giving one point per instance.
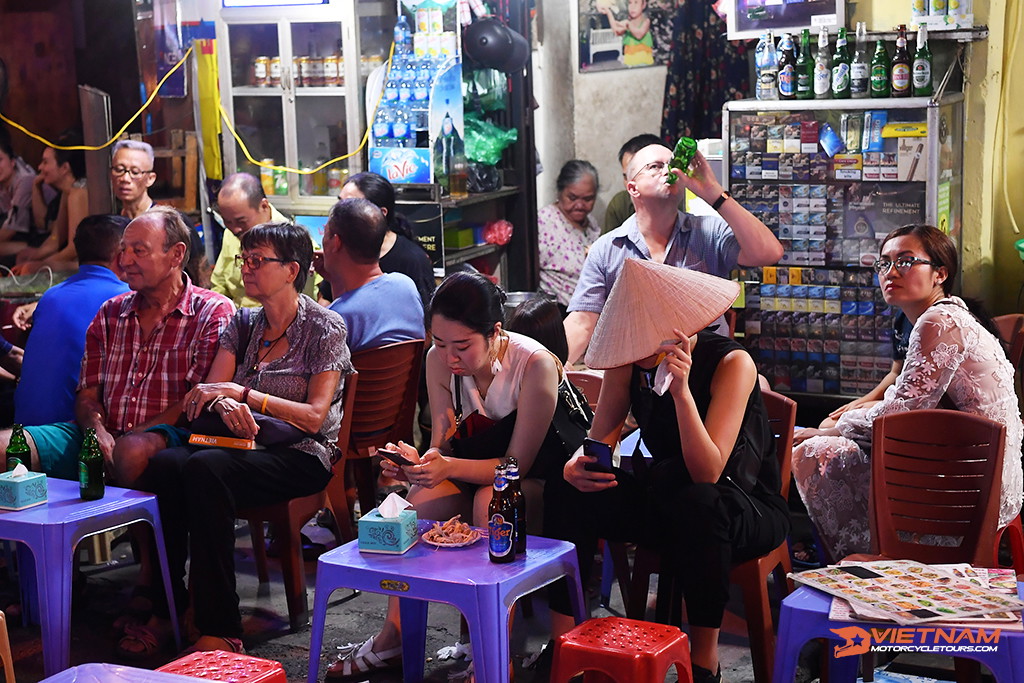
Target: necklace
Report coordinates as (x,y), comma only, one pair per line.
(269,346)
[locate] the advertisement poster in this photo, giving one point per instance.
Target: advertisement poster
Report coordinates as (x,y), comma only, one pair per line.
(170,47)
(751,18)
(624,34)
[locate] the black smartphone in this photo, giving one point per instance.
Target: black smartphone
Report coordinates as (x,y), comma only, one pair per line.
(599,450)
(395,457)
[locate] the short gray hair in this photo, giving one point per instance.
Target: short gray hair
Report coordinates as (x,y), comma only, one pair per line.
(137,145)
(574,171)
(176,229)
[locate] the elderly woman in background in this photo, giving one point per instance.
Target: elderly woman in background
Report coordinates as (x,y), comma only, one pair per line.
(566,230)
(953,352)
(292,369)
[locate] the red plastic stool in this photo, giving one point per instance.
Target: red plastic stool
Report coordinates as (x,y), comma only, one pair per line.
(227,666)
(623,650)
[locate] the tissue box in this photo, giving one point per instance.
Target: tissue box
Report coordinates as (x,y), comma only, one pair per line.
(380,535)
(22,492)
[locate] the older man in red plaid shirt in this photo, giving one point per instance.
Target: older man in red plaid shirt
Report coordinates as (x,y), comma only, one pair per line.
(143,351)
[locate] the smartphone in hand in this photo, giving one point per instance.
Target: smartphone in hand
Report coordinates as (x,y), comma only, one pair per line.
(599,450)
(395,457)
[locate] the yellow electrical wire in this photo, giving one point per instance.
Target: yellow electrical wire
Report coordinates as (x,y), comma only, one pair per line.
(90,148)
(227,123)
(362,143)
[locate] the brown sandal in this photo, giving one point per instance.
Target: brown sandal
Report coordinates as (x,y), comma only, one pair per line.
(232,645)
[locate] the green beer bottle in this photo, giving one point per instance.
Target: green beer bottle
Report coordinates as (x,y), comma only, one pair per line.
(90,467)
(841,68)
(682,155)
(922,71)
(805,68)
(17,449)
(880,70)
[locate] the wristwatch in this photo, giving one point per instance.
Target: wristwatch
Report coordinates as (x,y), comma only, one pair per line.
(721,200)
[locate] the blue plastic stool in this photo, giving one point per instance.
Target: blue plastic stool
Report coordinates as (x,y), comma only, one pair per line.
(463,577)
(51,532)
(804,617)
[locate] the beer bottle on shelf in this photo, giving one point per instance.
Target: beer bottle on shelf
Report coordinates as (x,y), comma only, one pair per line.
(822,68)
(90,468)
(860,70)
(17,449)
(880,70)
(922,75)
(787,68)
(805,68)
(900,70)
(501,545)
(518,504)
(841,68)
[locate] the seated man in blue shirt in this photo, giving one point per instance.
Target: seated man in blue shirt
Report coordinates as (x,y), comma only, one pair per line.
(53,353)
(379,308)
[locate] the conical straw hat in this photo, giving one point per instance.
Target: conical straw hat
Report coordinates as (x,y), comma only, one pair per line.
(647,301)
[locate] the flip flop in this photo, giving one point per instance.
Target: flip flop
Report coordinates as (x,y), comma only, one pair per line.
(147,642)
(232,645)
(361,660)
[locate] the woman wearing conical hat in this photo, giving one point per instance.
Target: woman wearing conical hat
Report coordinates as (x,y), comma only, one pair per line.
(709,498)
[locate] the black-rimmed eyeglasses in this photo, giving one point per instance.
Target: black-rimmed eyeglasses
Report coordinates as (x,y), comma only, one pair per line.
(254,261)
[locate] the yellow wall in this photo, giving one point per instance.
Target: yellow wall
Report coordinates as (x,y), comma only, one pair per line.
(991,268)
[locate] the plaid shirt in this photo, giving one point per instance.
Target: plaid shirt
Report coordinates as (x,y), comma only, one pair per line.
(140,378)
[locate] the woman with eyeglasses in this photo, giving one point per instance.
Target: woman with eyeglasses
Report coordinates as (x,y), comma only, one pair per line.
(293,369)
(566,230)
(954,360)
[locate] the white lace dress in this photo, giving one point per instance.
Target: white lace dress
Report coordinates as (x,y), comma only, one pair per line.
(949,353)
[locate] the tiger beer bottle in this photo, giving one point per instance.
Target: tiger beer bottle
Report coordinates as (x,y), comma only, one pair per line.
(518,504)
(501,527)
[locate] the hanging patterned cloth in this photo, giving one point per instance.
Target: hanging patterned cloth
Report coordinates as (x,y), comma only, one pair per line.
(704,71)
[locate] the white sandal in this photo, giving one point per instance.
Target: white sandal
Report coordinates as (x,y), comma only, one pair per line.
(362,660)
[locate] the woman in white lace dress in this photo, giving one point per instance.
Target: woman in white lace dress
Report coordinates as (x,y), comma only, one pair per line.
(952,355)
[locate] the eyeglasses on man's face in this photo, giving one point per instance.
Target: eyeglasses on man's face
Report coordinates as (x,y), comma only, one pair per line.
(653,169)
(255,261)
(903,264)
(134,173)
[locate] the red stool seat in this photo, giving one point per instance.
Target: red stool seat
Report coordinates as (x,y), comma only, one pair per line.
(227,666)
(622,649)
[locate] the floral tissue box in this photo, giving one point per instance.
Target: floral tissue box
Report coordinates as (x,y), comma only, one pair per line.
(20,491)
(387,535)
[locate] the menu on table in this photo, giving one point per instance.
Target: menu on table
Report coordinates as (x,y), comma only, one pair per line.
(908,592)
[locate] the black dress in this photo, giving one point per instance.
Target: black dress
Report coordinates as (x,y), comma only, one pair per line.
(408,258)
(701,529)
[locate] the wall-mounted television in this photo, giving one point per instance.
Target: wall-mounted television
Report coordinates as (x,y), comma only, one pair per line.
(751,18)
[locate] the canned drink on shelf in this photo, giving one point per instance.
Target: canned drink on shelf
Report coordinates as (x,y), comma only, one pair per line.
(280,182)
(331,70)
(267,176)
(333,181)
(434,45)
(261,71)
(306,182)
(422,20)
(436,19)
(316,70)
(275,72)
(448,44)
(419,44)
(297,71)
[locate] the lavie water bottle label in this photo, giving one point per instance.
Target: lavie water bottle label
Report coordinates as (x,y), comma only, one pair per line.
(500,536)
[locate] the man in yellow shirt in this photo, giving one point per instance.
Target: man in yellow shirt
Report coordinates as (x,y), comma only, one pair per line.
(242,204)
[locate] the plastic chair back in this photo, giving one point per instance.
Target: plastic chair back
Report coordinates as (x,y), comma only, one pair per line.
(589,382)
(1011,330)
(936,472)
(782,418)
(386,398)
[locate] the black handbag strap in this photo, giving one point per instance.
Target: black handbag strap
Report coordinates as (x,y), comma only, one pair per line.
(457,399)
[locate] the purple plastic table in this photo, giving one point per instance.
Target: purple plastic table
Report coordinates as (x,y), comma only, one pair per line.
(463,577)
(51,532)
(804,617)
(113,673)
